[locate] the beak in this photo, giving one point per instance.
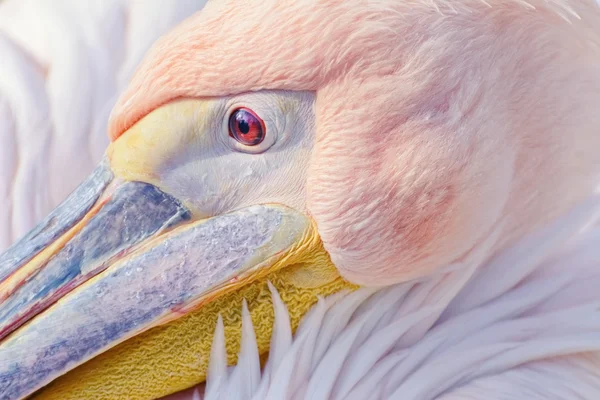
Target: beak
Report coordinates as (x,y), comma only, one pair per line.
(116,259)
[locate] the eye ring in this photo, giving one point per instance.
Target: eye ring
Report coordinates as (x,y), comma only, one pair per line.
(246,127)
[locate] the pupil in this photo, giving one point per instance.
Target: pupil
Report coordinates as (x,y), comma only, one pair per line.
(244,127)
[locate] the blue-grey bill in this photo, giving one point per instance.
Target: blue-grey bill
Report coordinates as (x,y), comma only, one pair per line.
(133,213)
(58,222)
(167,274)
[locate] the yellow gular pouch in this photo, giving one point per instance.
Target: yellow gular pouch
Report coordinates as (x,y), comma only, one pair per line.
(175,356)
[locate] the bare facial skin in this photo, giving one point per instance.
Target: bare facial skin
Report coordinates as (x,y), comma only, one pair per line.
(398,138)
(427,134)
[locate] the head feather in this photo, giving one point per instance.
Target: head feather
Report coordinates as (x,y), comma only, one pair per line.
(436,120)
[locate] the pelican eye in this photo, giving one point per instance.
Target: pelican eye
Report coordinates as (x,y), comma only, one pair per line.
(246,127)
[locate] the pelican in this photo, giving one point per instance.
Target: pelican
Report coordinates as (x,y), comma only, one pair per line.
(339,200)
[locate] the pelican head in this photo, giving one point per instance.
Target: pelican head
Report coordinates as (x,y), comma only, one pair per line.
(315,145)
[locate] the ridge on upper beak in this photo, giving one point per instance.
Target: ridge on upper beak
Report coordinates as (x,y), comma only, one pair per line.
(115,259)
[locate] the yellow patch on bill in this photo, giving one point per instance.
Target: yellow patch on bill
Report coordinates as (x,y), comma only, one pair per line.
(175,356)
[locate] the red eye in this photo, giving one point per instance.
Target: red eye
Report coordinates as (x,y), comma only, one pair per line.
(246,127)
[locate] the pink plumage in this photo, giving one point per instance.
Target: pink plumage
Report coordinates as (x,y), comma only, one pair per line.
(446,131)
(435,121)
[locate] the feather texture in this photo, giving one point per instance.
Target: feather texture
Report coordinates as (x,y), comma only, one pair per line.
(524,324)
(534,334)
(455,110)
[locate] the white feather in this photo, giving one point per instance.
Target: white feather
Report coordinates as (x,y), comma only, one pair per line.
(281,341)
(216,383)
(442,337)
(196,395)
(522,325)
(338,318)
(245,378)
(290,379)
